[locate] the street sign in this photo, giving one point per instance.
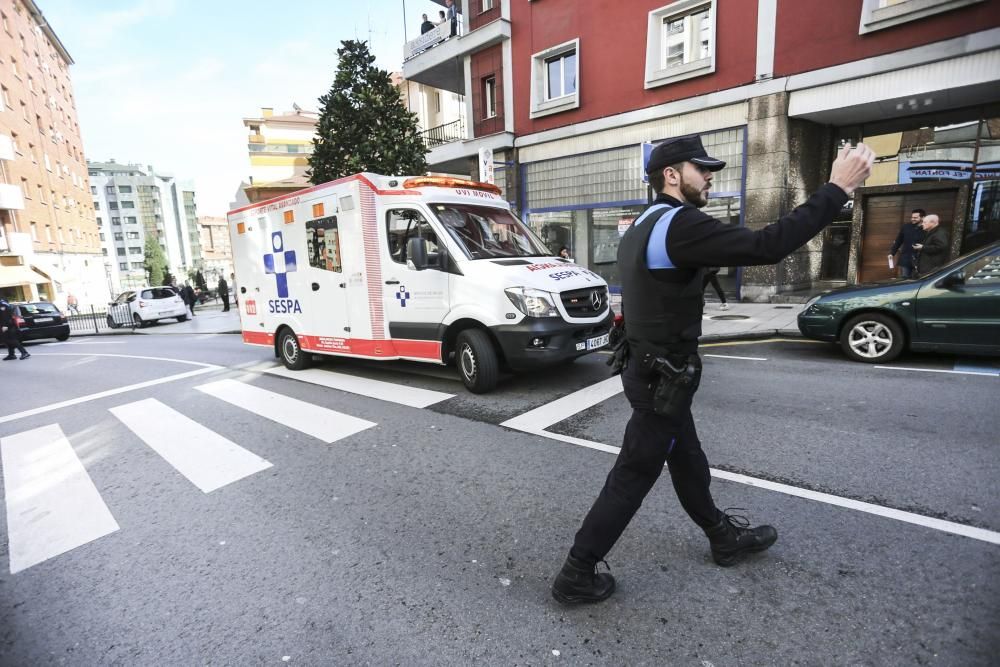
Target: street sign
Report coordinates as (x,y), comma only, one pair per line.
(486,165)
(647,149)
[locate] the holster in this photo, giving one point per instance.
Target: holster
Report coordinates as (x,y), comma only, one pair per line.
(679,377)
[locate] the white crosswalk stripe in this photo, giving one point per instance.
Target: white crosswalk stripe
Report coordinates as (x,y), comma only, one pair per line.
(384,391)
(205,458)
(322,423)
(52,504)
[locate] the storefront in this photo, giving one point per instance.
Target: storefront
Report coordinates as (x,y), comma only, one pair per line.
(585,202)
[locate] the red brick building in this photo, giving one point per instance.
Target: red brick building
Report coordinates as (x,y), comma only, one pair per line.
(566,92)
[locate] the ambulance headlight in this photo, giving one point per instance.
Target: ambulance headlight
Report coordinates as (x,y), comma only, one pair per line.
(532,302)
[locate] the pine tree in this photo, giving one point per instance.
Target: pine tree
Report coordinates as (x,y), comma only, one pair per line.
(155,262)
(199,280)
(363,125)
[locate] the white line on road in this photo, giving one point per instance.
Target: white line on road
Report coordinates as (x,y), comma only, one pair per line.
(52,504)
(92,342)
(729,356)
(384,391)
(972,367)
(319,422)
(936,370)
(208,460)
(537,420)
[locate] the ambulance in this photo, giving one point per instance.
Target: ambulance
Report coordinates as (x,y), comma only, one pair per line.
(419,268)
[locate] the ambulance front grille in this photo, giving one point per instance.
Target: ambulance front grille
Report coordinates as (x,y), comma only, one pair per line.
(582,302)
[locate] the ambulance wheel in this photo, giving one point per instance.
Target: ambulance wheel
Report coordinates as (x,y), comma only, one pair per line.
(477,361)
(292,354)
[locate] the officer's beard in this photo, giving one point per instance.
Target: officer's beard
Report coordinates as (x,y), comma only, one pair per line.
(694,196)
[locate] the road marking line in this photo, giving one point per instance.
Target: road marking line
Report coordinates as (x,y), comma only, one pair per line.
(935,370)
(103,394)
(727,356)
(322,423)
(205,458)
(92,342)
(971,367)
(414,397)
(52,504)
(537,420)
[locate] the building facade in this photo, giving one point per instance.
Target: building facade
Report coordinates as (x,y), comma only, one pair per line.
(132,203)
(440,117)
(772,87)
(279,148)
(217,249)
(49,243)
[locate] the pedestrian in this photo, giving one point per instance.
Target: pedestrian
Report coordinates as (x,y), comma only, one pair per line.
(426,26)
(11,335)
(223,289)
(564,253)
(661,259)
(933,252)
(712,278)
(187,294)
(236,296)
(441,18)
(452,16)
(72,305)
(911,232)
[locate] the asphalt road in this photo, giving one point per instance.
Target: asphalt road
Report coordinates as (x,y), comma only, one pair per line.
(431,535)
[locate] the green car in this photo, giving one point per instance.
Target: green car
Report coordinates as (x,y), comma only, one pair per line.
(955,309)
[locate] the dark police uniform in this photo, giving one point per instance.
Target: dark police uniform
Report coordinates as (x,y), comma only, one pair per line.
(662,259)
(11,335)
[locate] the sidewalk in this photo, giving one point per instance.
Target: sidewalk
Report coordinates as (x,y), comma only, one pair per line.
(742,320)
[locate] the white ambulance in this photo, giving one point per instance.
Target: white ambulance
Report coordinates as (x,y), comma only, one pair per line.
(423,268)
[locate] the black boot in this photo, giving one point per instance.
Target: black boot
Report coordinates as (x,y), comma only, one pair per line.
(25,355)
(579,582)
(9,357)
(732,538)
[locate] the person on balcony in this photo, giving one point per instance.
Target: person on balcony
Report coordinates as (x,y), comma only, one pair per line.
(426,26)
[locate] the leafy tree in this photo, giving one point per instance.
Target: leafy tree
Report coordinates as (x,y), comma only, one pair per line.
(155,262)
(363,126)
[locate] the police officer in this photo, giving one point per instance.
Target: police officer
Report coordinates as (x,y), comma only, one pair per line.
(10,333)
(662,259)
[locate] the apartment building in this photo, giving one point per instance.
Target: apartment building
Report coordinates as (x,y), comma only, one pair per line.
(49,243)
(279,147)
(569,94)
(132,202)
(440,117)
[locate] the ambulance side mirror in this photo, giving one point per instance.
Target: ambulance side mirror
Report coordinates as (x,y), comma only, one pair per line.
(416,252)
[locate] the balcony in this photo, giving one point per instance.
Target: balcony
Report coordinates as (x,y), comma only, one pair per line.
(6,147)
(256,139)
(436,59)
(444,134)
(11,198)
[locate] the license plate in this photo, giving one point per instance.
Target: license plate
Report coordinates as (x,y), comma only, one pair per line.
(599,341)
(43,320)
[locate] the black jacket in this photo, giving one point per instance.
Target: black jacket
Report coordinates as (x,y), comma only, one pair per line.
(426,27)
(7,317)
(935,251)
(909,234)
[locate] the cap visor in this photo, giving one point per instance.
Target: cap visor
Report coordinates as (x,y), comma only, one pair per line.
(710,162)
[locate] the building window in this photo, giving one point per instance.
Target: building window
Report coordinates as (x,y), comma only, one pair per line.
(116,221)
(680,42)
(102,236)
(5,97)
(130,220)
(99,221)
(487,5)
(119,236)
(881,14)
(113,205)
(132,235)
(133,250)
(6,26)
(48,233)
(555,79)
(24,112)
(122,265)
(24,188)
(41,194)
(128,204)
(13,67)
(120,251)
(125,188)
(93,189)
(97,206)
(31,84)
(490,97)
(138,266)
(110,189)
(34,231)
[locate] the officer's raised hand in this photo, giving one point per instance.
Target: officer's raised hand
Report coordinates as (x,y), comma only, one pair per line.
(852,167)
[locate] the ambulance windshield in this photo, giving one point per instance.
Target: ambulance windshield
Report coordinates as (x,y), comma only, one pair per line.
(488,233)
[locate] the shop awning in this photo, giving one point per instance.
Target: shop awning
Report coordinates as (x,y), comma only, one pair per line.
(11,276)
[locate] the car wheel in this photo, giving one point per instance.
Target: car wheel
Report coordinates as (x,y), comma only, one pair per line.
(62,338)
(872,338)
(111,323)
(182,318)
(138,321)
(292,354)
(477,361)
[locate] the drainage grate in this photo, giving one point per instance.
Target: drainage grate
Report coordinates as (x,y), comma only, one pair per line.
(729,317)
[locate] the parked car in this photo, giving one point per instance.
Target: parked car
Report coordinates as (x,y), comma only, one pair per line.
(145,306)
(40,319)
(953,309)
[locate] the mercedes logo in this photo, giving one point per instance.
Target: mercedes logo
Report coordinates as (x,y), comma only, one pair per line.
(595,300)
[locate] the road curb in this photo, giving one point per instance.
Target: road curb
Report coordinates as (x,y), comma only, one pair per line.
(750,335)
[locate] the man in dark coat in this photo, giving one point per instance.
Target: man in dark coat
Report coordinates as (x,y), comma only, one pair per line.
(909,233)
(224,294)
(933,252)
(187,294)
(426,26)
(11,336)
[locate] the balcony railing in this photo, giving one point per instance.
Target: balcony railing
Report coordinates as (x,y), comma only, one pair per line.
(431,38)
(445,134)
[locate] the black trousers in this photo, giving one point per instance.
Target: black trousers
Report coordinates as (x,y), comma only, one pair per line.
(225,301)
(650,441)
(713,280)
(13,340)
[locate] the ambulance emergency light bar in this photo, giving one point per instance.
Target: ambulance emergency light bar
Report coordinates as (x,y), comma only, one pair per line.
(444,182)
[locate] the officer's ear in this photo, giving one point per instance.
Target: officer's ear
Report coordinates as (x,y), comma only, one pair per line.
(671,175)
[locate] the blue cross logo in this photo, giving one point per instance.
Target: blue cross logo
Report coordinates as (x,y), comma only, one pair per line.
(286,259)
(402,295)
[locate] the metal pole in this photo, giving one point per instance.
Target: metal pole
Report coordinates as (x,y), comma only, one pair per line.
(93,316)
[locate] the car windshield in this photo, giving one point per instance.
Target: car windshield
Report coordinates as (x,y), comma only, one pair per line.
(484,232)
(38,308)
(158,293)
(958,261)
